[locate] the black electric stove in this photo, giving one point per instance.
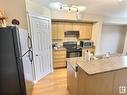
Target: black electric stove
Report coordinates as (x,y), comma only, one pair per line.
(72,49)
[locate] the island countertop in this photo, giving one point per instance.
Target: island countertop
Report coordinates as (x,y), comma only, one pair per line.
(101,65)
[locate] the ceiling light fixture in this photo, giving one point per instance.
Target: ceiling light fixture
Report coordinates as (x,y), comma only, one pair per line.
(61,7)
(69,7)
(77,11)
(120,0)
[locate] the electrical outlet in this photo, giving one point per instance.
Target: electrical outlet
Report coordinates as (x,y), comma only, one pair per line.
(122,89)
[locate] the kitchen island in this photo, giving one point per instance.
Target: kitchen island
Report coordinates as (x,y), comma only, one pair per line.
(106,76)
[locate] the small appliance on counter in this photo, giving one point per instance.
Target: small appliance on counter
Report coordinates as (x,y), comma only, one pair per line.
(56,45)
(86,43)
(88,56)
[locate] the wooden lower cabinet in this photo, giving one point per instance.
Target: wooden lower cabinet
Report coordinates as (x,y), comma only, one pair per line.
(59,58)
(71,80)
(107,83)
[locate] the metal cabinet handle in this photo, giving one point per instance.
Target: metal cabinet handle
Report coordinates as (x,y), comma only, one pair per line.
(30,55)
(29,42)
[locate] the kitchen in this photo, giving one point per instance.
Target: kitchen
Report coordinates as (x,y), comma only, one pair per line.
(68,47)
(69,40)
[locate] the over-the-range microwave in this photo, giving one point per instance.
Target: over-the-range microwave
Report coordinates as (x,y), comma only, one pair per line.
(86,43)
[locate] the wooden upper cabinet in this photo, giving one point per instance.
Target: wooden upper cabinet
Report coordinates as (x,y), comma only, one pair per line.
(85,31)
(60,30)
(54,30)
(68,27)
(76,26)
(57,30)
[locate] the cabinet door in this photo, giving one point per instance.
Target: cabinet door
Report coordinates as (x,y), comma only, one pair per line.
(59,59)
(54,30)
(71,80)
(120,81)
(88,30)
(85,31)
(76,26)
(68,27)
(60,30)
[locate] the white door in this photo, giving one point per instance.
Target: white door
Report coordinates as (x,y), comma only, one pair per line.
(42,46)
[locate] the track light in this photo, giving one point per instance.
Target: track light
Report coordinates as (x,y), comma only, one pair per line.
(61,7)
(77,11)
(120,0)
(69,9)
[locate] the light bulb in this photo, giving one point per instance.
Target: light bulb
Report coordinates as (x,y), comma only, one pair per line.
(120,0)
(77,11)
(69,9)
(61,7)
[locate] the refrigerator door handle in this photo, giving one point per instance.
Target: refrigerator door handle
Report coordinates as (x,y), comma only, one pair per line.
(29,42)
(30,55)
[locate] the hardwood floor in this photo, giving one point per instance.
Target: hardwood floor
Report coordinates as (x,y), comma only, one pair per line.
(53,84)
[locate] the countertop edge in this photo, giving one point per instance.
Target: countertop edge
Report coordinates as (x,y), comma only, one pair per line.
(89,74)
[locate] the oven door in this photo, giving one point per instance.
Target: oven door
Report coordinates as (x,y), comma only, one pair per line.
(74,54)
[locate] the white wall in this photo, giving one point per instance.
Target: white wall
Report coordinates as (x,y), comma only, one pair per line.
(15,9)
(125,44)
(62,14)
(119,21)
(112,38)
(39,9)
(96,35)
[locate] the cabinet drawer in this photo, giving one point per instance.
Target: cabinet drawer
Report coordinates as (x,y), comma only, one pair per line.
(59,57)
(59,53)
(59,64)
(59,60)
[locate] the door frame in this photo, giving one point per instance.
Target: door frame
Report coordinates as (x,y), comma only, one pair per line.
(35,15)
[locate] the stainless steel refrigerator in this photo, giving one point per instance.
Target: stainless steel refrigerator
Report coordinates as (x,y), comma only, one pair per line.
(15,61)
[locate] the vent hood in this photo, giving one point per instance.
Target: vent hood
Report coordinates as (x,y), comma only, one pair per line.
(71,33)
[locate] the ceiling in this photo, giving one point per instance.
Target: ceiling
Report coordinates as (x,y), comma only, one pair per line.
(106,8)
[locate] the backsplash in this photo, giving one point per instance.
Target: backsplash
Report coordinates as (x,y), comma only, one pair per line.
(67,39)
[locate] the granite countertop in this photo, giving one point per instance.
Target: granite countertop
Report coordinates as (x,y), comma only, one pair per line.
(100,65)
